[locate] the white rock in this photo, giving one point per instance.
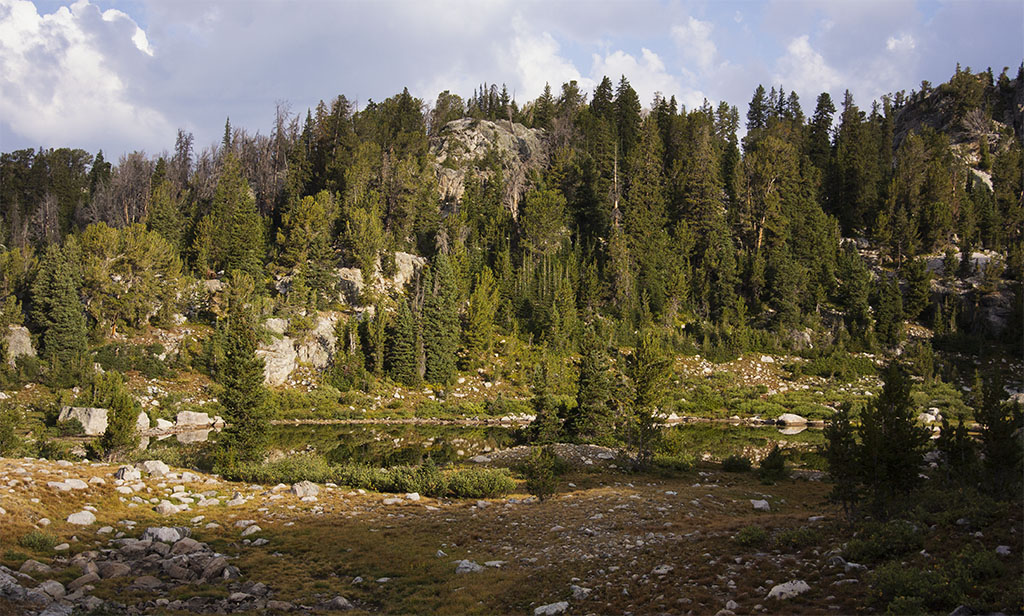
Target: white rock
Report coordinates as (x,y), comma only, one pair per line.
(761,505)
(303,489)
(467,566)
(789,419)
(82,518)
(662,570)
(412,496)
(163,424)
(788,590)
(156,468)
(142,422)
(766,359)
(251,530)
(1003,550)
(192,418)
(167,508)
(93,420)
(551,609)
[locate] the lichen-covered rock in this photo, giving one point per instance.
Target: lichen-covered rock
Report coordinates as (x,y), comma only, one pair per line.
(279,360)
(19,343)
(788,590)
(93,420)
(192,418)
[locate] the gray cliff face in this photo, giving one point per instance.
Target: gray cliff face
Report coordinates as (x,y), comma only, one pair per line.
(463,146)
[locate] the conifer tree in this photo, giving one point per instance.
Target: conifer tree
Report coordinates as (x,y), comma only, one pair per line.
(108,391)
(892,444)
(376,339)
(440,323)
(165,215)
(243,395)
(889,313)
(918,288)
(592,418)
(401,356)
(649,373)
(57,309)
(841,454)
(547,425)
(480,313)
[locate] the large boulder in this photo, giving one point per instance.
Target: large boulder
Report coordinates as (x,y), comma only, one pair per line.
(279,360)
(82,518)
(142,422)
(789,419)
(19,343)
(93,420)
(788,590)
(193,419)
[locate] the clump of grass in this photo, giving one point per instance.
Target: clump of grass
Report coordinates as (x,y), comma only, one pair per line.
(37,541)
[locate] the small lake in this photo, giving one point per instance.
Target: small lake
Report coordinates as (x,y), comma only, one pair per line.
(391,444)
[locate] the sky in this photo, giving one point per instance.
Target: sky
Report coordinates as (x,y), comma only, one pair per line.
(125,75)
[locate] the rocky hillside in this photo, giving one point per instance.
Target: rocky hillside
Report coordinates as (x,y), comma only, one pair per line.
(966,109)
(468,145)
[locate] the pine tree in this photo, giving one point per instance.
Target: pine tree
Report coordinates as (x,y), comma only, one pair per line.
(243,395)
(892,444)
(889,314)
(918,292)
(57,309)
(480,313)
(547,425)
(401,356)
(108,391)
(592,418)
(165,214)
(627,116)
(441,324)
(649,373)
(841,454)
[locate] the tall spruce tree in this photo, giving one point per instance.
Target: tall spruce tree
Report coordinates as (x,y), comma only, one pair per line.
(892,443)
(592,419)
(401,355)
(243,395)
(57,309)
(440,323)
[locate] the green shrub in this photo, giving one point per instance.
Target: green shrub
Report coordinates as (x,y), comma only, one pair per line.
(10,420)
(539,470)
(737,464)
(773,466)
(54,450)
(37,541)
(894,580)
(751,537)
(879,541)
(479,483)
(797,538)
(70,427)
(678,463)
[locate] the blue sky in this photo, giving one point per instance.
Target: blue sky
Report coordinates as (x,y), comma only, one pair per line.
(125,75)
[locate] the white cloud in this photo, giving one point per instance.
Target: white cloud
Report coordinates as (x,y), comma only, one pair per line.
(694,39)
(647,75)
(538,62)
(903,43)
(804,70)
(58,83)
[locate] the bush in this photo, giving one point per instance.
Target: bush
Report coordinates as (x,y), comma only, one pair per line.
(10,419)
(896,581)
(37,541)
(879,541)
(752,537)
(54,450)
(797,538)
(539,470)
(737,464)
(773,466)
(70,427)
(425,479)
(479,483)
